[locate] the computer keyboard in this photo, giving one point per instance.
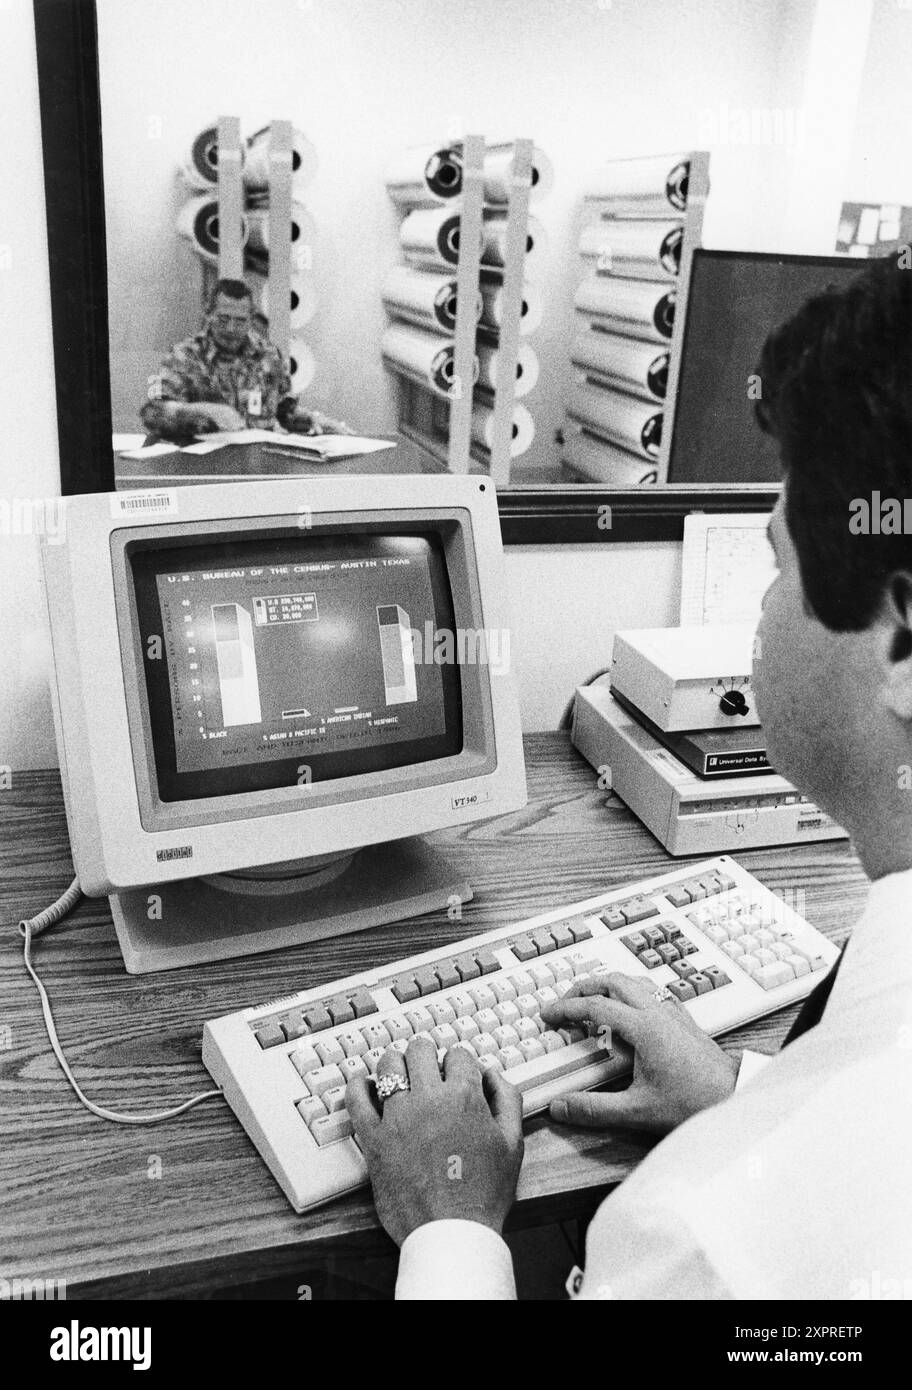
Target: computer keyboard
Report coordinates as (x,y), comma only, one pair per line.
(724,945)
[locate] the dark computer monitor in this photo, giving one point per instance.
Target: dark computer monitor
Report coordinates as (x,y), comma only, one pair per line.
(734,299)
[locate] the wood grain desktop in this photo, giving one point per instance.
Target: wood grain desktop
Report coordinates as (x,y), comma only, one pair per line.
(78,1197)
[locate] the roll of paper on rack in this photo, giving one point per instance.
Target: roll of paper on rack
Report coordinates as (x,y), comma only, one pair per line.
(428,358)
(644,187)
(303,232)
(604,461)
(200,163)
(198,222)
(634,424)
(492,297)
(256,161)
(302,365)
(424,298)
(522,429)
(303,303)
(426,176)
(636,307)
(526,368)
(498,173)
(494,243)
(625,247)
(431,235)
(638,366)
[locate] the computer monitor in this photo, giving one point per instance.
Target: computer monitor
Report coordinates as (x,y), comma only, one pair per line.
(733,300)
(255,681)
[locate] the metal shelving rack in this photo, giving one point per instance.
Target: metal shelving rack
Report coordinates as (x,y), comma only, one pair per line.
(640,228)
(440,423)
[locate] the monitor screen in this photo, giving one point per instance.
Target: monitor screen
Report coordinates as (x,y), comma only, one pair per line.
(735,298)
(274,658)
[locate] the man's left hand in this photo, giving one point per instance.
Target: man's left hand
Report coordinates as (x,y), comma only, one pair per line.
(315,422)
(450,1147)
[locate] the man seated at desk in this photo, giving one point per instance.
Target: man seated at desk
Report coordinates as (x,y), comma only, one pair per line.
(783,1177)
(228,376)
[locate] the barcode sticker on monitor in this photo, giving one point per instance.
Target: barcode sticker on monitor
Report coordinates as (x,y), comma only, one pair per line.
(160,503)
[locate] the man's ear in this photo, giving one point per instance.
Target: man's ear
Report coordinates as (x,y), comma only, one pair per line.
(898,615)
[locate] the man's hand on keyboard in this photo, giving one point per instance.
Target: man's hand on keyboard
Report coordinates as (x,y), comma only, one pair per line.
(450,1147)
(678,1069)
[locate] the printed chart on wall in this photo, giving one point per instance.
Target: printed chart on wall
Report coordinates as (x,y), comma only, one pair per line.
(728,565)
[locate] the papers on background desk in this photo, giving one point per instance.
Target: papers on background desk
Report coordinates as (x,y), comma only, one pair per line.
(315,446)
(149,451)
(728,565)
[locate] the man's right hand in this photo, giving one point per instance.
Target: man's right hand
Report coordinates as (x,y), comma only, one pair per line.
(213,415)
(677,1071)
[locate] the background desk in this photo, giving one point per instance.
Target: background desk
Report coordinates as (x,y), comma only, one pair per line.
(76,1197)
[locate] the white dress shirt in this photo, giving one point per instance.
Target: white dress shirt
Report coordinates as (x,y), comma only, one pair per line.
(799,1186)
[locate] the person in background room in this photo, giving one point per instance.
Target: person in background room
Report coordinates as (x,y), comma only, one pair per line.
(783,1177)
(228,376)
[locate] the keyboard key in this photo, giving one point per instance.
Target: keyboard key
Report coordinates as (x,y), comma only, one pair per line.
(764,956)
(352,1042)
(636,942)
(779,973)
(613,918)
(799,965)
(668,953)
(305,1059)
(329,1051)
(695,889)
(487,961)
(683,969)
(711,884)
(340,1011)
(370,1059)
(523,948)
(323,1079)
(813,957)
(293,1024)
(352,1067)
(546,997)
(651,959)
(466,1029)
(441,1011)
(685,945)
(483,995)
(375,1035)
(543,940)
(489,1062)
(468,967)
(316,1016)
(426,980)
(447,974)
(561,934)
(654,937)
(531,1048)
(528,1027)
(749,963)
(571,1035)
(484,1044)
(717,976)
(507,1012)
(561,987)
(462,1003)
(733,948)
(527,1005)
(333,1128)
(682,990)
(511,1057)
(678,896)
(505,990)
(334,1099)
(586,965)
(541,975)
(522,981)
(310,1109)
(445,1036)
(715,933)
(405,989)
(579,930)
(765,937)
(398,1026)
(505,1036)
(560,968)
(362,1001)
(269,1035)
(638,909)
(700,983)
(399,1045)
(551,1041)
(419,1019)
(487,1020)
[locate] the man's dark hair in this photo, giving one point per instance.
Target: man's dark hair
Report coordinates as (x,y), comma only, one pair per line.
(836,382)
(233,289)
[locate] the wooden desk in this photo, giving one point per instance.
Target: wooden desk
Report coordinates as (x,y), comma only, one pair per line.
(76,1197)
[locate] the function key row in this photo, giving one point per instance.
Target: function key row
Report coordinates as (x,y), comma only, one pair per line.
(691,890)
(314,1017)
(413,984)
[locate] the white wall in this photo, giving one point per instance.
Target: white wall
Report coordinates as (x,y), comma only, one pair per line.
(29,468)
(879,167)
(587,80)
